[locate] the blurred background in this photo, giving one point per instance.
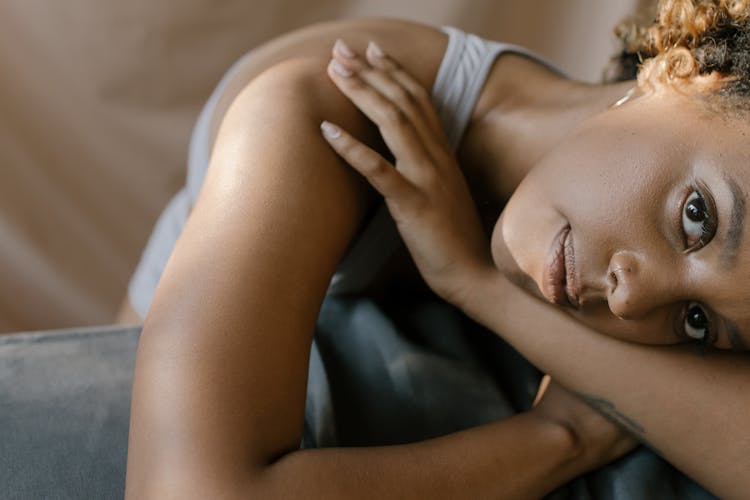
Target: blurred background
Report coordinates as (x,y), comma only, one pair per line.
(97,101)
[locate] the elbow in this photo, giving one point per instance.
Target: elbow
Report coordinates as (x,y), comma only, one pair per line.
(256,482)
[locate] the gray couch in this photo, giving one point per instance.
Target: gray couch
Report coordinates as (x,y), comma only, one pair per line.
(65,400)
(64,406)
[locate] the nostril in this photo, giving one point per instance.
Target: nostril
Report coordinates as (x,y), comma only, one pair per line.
(612,281)
(618,274)
(622,277)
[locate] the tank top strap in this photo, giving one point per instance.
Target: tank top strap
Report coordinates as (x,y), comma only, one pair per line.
(462,75)
(458,84)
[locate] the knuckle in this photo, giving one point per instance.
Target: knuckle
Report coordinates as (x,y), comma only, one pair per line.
(416,91)
(420,93)
(401,95)
(419,203)
(355,83)
(429,177)
(346,148)
(374,167)
(394,116)
(368,162)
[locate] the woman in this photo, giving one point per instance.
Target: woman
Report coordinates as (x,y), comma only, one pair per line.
(221,414)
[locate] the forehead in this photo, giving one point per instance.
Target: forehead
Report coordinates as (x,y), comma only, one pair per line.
(719,151)
(671,112)
(685,138)
(674,132)
(726,281)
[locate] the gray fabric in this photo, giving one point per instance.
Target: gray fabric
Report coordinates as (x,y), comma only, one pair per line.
(458,84)
(457,87)
(412,367)
(462,75)
(174,216)
(64,413)
(381,372)
(397,375)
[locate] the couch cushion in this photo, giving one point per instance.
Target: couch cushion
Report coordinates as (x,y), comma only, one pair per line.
(64,413)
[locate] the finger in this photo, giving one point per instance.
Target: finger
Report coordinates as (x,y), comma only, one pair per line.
(395,84)
(395,126)
(385,83)
(379,173)
(411,98)
(377,58)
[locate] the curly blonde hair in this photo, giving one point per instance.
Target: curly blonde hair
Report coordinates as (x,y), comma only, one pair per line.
(692,38)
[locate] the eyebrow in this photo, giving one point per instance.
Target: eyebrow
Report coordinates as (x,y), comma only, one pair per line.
(736,223)
(730,251)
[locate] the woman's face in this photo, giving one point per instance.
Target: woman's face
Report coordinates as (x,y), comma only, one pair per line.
(636,224)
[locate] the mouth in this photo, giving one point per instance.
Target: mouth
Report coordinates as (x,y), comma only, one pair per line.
(559,284)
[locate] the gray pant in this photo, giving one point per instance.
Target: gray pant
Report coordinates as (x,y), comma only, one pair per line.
(379,373)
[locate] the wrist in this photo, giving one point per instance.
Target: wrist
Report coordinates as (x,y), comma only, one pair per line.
(564,433)
(478,285)
(590,441)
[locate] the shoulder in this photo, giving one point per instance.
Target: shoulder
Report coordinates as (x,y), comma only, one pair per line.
(300,57)
(418,47)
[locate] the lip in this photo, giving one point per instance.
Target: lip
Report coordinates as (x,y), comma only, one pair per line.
(572,288)
(559,283)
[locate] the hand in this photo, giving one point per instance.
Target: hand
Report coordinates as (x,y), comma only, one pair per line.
(599,440)
(425,190)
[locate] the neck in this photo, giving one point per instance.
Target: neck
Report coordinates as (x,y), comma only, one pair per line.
(525,111)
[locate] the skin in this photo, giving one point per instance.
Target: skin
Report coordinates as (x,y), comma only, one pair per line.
(633,262)
(220,414)
(220,375)
(621,182)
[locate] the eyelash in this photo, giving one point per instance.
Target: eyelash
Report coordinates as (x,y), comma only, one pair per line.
(707,232)
(706,235)
(708,336)
(708,226)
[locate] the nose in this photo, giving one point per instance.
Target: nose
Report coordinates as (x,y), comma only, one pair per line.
(633,289)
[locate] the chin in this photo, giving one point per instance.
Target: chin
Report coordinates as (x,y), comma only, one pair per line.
(508,265)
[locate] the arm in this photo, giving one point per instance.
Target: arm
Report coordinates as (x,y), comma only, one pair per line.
(690,408)
(220,376)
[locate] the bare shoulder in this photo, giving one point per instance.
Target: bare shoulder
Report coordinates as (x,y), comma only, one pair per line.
(418,47)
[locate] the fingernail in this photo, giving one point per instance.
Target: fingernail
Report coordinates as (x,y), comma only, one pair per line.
(330,130)
(340,68)
(374,50)
(343,48)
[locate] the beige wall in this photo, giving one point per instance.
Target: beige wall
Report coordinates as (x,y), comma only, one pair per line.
(96,104)
(575,34)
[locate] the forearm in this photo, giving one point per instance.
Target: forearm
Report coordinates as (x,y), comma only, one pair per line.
(689,407)
(218,393)
(524,456)
(219,384)
(668,396)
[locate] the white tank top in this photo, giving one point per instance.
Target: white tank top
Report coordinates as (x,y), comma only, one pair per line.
(457,87)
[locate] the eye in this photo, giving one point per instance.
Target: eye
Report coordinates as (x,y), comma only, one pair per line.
(698,221)
(696,322)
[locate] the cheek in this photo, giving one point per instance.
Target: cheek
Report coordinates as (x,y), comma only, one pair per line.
(527,227)
(506,263)
(657,328)
(613,198)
